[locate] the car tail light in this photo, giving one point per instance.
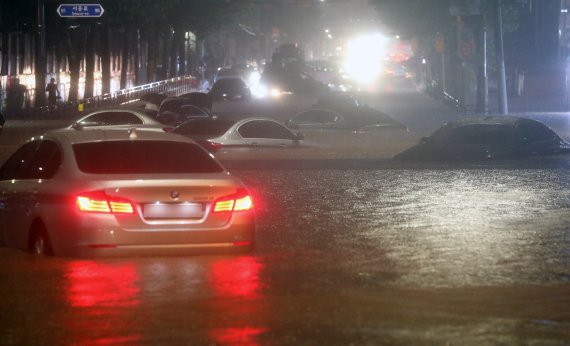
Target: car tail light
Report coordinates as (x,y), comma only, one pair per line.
(240,201)
(211,146)
(167,129)
(100,202)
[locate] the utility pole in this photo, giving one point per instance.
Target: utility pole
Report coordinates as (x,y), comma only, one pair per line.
(501,79)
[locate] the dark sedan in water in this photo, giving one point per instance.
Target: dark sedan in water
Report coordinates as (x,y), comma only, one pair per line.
(487,138)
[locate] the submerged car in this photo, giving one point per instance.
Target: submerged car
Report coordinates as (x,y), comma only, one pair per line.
(120,118)
(342,112)
(215,134)
(118,192)
(487,138)
(230,88)
(176,110)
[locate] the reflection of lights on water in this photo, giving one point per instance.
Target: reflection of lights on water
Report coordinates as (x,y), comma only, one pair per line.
(92,284)
(237,278)
(237,336)
(102,295)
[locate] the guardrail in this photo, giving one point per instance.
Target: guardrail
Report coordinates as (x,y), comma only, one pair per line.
(178,85)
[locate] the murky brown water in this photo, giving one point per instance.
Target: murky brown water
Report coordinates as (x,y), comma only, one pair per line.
(345,256)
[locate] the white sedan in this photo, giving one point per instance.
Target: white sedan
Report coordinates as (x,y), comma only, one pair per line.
(119,192)
(215,134)
(119,118)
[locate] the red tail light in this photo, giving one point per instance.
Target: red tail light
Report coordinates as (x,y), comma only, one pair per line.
(240,201)
(211,146)
(100,202)
(167,129)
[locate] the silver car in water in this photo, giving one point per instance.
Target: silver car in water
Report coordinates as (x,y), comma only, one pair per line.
(121,192)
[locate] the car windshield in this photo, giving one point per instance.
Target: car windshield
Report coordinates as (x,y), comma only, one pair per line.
(143,157)
(475,135)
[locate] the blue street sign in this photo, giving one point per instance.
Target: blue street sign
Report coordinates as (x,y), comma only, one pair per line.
(80,10)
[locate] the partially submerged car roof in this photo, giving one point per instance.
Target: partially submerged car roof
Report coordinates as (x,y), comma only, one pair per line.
(73,136)
(488,120)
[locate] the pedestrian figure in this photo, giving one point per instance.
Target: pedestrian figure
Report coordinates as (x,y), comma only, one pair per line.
(53,92)
(15,97)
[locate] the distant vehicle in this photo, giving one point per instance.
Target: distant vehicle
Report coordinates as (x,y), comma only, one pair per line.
(153,100)
(342,112)
(110,193)
(230,89)
(119,118)
(199,99)
(227,72)
(176,110)
(488,138)
(215,134)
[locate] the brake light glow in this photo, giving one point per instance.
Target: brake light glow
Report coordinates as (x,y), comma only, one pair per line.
(211,146)
(240,201)
(100,202)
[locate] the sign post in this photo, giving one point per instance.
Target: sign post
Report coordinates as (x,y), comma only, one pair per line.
(80,10)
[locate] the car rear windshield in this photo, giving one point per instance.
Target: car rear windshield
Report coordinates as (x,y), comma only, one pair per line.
(143,157)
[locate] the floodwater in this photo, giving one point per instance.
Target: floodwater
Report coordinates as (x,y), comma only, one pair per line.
(364,255)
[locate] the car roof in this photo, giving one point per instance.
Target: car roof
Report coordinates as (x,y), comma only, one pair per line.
(100,135)
(489,120)
(139,112)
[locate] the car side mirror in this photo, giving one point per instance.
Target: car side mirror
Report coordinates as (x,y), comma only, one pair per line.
(77,126)
(424,140)
(299,136)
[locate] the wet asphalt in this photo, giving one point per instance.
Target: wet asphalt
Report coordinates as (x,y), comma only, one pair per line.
(352,249)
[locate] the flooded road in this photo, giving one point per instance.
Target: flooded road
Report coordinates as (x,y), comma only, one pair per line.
(344,256)
(352,249)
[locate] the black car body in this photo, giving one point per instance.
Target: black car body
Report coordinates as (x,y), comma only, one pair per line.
(487,138)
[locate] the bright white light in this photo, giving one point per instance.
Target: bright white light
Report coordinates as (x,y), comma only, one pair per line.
(253,78)
(364,57)
(259,90)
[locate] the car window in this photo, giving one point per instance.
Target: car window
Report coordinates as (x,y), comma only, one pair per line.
(534,132)
(46,161)
(213,128)
(15,167)
(111,118)
(143,157)
(477,134)
(264,129)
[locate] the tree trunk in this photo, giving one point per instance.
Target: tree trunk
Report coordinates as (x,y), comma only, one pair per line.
(166,42)
(151,62)
(105,60)
(89,63)
(174,61)
(125,58)
(75,52)
(136,56)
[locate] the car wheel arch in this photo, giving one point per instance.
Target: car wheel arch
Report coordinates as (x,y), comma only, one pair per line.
(39,233)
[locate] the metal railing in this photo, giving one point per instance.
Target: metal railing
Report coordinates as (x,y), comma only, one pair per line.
(178,85)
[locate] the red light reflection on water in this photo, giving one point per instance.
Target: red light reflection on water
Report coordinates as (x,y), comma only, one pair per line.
(94,284)
(103,296)
(237,336)
(237,286)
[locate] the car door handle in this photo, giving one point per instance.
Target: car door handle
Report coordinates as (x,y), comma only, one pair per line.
(255,144)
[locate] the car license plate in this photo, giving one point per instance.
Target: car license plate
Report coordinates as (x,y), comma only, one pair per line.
(173,211)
